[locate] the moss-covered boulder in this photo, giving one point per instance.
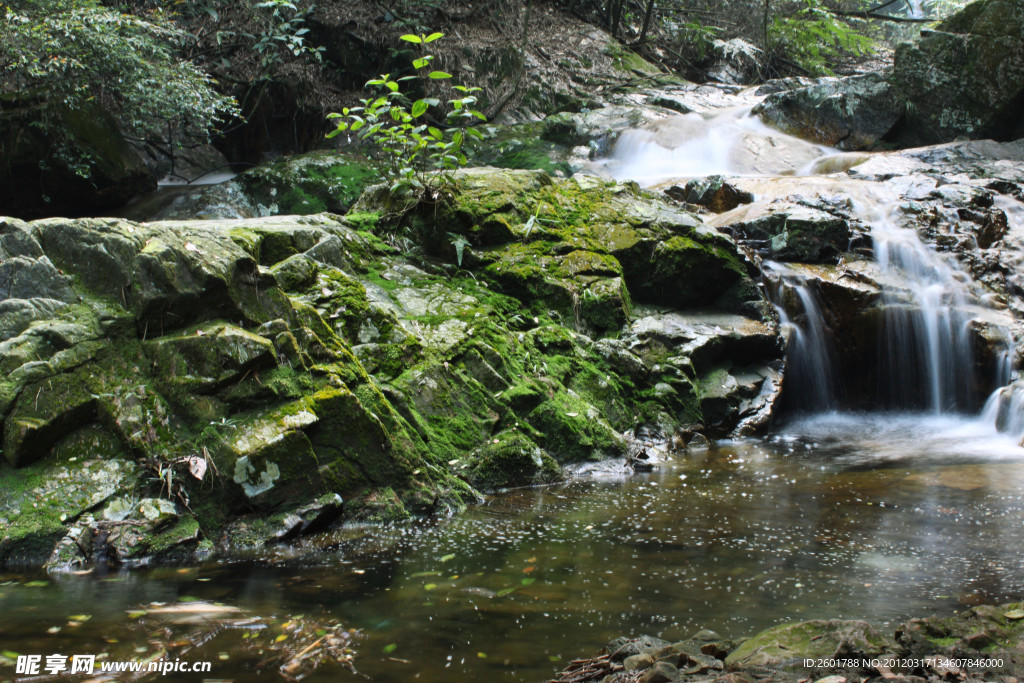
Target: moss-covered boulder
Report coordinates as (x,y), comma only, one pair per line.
(308,183)
(982,629)
(241,371)
(790,645)
(511,459)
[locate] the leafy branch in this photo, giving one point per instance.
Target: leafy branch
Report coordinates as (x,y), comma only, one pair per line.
(419,156)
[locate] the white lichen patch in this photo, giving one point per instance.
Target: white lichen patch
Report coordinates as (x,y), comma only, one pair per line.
(245,476)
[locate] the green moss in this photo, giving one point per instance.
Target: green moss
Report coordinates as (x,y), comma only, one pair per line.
(511,459)
(309,183)
(381,505)
(573,430)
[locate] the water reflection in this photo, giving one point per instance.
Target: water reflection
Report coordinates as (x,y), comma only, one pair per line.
(841,516)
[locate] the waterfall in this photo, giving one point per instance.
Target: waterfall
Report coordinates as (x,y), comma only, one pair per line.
(934,352)
(926,356)
(810,379)
(925,346)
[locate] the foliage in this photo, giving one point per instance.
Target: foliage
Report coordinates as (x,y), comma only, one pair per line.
(698,36)
(813,36)
(419,155)
(273,31)
(74,52)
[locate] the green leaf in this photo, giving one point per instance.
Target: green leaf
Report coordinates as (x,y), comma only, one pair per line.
(432,37)
(392,86)
(420,63)
(437,75)
(390,647)
(410,38)
(448,558)
(419,108)
(527,581)
(475,133)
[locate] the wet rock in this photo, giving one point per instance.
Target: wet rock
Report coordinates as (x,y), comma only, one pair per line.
(795,232)
(661,672)
(245,368)
(986,628)
(225,200)
(785,647)
(511,459)
(851,113)
(638,662)
(620,648)
(44,500)
(712,193)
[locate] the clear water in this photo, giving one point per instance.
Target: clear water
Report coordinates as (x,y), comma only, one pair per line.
(880,517)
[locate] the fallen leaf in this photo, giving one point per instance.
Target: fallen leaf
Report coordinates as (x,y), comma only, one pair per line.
(197,467)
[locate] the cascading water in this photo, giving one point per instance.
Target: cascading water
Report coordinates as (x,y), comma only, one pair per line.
(810,359)
(926,359)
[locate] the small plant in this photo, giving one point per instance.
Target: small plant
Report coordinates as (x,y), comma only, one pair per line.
(813,36)
(460,243)
(419,155)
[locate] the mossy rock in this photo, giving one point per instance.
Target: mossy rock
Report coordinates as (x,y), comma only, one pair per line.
(309,183)
(982,629)
(575,431)
(511,459)
(787,646)
(44,499)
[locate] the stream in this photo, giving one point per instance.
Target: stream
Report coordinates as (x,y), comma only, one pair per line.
(871,515)
(836,516)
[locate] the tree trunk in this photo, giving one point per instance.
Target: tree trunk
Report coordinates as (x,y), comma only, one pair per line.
(648,13)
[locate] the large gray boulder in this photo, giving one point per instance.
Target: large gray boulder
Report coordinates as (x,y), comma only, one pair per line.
(965,79)
(850,113)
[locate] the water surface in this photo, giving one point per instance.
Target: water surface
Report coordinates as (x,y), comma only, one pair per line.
(837,516)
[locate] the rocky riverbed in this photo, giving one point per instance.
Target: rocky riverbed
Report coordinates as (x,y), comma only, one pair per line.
(984,643)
